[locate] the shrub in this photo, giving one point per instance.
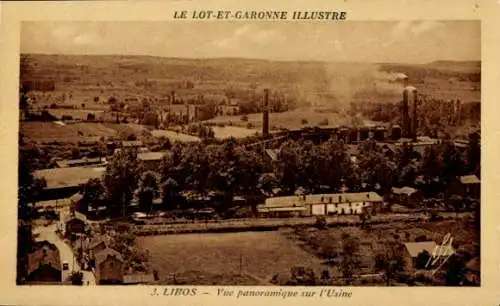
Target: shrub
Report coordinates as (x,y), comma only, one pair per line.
(303,121)
(249,125)
(321,222)
(76,278)
(244,118)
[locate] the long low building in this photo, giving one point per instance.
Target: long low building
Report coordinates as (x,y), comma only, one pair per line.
(65,182)
(322,204)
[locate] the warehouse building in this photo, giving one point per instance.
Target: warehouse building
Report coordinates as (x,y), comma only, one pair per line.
(323,204)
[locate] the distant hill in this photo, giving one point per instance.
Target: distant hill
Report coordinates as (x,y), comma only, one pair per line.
(157,76)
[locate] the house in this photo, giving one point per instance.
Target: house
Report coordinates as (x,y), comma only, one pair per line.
(324,204)
(413,249)
(97,161)
(407,196)
(471,186)
(43,265)
(72,222)
(97,245)
(65,182)
(109,267)
(132,144)
(151,160)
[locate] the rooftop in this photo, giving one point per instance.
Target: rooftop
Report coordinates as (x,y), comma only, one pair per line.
(148,156)
(106,253)
(78,162)
(132,143)
(469,179)
(288,201)
(69,177)
(404,190)
(415,248)
(45,253)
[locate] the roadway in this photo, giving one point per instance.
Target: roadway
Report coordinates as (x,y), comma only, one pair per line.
(65,252)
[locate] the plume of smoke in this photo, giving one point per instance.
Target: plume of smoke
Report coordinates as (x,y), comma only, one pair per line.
(363,83)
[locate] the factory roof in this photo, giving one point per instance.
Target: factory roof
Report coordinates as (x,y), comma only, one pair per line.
(335,198)
(68,177)
(469,179)
(263,208)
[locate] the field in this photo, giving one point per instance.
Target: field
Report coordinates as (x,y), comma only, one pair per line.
(173,136)
(233,131)
(295,119)
(74,132)
(260,254)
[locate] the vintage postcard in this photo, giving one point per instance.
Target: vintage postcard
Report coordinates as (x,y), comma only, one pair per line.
(212,152)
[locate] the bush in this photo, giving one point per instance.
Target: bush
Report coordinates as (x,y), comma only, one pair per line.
(249,125)
(244,118)
(321,222)
(303,121)
(76,278)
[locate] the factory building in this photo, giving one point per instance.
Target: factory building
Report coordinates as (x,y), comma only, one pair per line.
(323,204)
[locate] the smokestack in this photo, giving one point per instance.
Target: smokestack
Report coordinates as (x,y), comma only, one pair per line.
(405,81)
(405,114)
(196,113)
(415,114)
(265,114)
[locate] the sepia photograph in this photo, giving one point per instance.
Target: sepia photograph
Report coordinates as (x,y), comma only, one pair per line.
(250,153)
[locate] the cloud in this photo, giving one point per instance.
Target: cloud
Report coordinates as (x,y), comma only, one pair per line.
(249,35)
(426,26)
(87,39)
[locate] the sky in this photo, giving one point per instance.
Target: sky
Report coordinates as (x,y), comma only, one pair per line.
(356,41)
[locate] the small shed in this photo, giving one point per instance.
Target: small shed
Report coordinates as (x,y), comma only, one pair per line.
(407,196)
(413,249)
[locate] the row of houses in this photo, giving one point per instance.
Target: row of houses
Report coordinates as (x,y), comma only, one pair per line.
(322,204)
(96,253)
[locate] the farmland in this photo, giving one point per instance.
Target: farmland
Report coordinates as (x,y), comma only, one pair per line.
(75,132)
(262,254)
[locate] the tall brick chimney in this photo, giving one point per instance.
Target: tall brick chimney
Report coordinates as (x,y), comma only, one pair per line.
(265,114)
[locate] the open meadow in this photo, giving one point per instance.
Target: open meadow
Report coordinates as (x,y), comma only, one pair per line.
(260,254)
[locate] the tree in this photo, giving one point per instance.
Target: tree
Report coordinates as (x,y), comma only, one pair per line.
(390,260)
(148,190)
(23,101)
(267,182)
(455,270)
(93,192)
(474,154)
(351,262)
(120,180)
(29,189)
(170,191)
(422,259)
(76,278)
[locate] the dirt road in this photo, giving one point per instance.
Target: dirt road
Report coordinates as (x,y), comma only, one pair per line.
(65,251)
